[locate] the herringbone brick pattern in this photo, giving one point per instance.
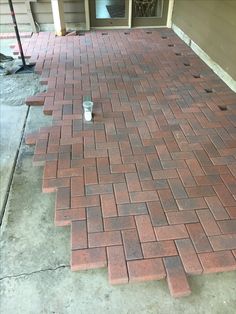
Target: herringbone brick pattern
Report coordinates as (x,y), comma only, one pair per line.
(149,186)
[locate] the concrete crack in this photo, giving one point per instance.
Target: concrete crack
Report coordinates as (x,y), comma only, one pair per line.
(35,272)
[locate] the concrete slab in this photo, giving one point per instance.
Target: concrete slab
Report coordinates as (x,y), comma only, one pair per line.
(35,273)
(62,292)
(13,113)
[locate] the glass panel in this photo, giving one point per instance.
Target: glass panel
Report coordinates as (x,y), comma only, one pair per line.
(110,9)
(147,8)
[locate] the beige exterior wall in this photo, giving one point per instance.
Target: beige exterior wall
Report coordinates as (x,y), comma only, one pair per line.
(21,14)
(211,24)
(42,13)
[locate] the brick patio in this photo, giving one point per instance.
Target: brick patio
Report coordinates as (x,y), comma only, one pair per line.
(149,186)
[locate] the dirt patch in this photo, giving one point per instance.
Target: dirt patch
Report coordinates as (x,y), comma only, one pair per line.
(16,88)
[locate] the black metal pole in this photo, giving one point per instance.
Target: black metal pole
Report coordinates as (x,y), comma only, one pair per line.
(17,32)
(24,68)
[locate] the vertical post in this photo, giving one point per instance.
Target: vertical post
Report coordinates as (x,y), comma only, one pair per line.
(130,14)
(58,17)
(170,12)
(30,16)
(87,15)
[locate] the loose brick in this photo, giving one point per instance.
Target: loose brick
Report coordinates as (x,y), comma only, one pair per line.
(199,238)
(78,235)
(171,232)
(159,249)
(145,228)
(117,270)
(214,262)
(107,238)
(146,270)
(88,259)
(31,138)
(34,101)
(176,277)
(188,257)
(131,245)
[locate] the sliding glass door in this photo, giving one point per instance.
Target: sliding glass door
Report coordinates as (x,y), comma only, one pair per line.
(108,13)
(145,13)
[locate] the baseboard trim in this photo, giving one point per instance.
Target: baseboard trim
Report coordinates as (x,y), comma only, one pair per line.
(206,58)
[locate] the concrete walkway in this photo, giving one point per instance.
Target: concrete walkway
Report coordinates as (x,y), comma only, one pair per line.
(41,281)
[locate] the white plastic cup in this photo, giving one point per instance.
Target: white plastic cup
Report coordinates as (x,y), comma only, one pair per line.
(87,116)
(88,110)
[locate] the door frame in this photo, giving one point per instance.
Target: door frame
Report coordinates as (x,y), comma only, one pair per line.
(88,17)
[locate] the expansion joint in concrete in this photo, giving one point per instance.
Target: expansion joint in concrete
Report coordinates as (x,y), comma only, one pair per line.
(2,212)
(34,272)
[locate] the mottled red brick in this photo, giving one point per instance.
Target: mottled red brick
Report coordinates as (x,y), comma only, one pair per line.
(214,262)
(176,277)
(145,270)
(117,269)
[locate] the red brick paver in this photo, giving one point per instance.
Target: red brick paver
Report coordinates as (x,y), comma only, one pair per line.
(149,185)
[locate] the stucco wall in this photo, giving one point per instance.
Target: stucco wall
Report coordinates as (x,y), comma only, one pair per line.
(211,24)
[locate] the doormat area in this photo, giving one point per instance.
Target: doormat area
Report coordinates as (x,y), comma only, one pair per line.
(148,187)
(116,11)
